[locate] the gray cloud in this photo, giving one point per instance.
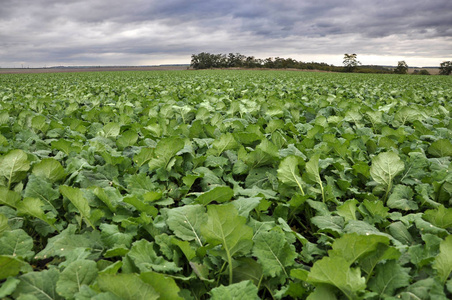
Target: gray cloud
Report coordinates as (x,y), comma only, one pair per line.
(146,32)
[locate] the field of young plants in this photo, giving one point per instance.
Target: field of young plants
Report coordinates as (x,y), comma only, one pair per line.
(225,185)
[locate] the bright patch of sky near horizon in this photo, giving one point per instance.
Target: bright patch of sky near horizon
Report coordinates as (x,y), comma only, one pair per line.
(37,33)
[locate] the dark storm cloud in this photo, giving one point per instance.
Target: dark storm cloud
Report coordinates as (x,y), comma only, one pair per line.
(120,32)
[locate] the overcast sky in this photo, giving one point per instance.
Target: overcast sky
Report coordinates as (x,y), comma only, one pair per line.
(38,33)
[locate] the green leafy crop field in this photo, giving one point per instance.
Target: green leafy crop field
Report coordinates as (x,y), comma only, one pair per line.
(225,185)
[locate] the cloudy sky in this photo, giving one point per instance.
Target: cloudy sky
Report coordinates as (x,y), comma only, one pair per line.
(38,33)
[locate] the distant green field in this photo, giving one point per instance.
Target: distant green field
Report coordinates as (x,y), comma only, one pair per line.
(225,185)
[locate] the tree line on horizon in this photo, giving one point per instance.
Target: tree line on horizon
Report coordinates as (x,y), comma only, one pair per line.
(205,60)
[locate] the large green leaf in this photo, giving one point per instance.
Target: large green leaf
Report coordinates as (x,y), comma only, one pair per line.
(443,262)
(127,139)
(164,285)
(143,156)
(288,172)
(77,198)
(225,142)
(50,169)
(41,285)
(13,166)
(8,286)
(164,152)
(274,253)
(38,187)
(440,217)
(441,148)
(111,235)
(126,286)
(218,194)
(352,246)
(11,266)
(146,259)
(389,277)
(401,198)
(186,222)
(16,243)
(33,207)
(8,197)
(385,166)
(336,271)
(111,129)
(74,276)
(67,242)
(226,228)
(312,171)
(242,290)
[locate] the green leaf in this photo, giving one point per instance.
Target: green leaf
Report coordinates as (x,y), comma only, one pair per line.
(33,207)
(323,292)
(225,142)
(245,205)
(127,139)
(41,285)
(4,226)
(440,148)
(11,266)
(66,242)
(224,226)
(74,276)
(143,156)
(428,288)
(329,223)
(399,231)
(352,246)
(218,194)
(274,253)
(440,217)
(337,272)
(14,166)
(50,169)
(348,210)
(385,166)
(242,290)
(165,150)
(65,146)
(146,259)
(9,286)
(111,129)
(288,172)
(126,286)
(185,222)
(16,243)
(389,277)
(312,171)
(164,285)
(107,195)
(8,197)
(112,237)
(185,247)
(77,198)
(38,187)
(443,261)
(401,198)
(248,269)
(141,205)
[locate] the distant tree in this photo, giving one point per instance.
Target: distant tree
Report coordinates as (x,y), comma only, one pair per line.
(402,68)
(445,68)
(206,60)
(350,62)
